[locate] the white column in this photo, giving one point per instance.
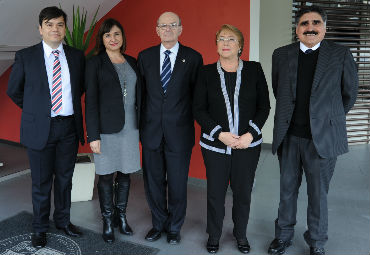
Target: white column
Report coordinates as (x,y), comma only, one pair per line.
(254,37)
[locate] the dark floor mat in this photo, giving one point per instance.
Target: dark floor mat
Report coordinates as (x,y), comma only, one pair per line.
(15,238)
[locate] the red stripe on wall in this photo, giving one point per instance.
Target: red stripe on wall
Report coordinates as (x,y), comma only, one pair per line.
(10,114)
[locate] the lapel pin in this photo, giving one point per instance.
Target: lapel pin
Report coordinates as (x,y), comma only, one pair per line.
(183,61)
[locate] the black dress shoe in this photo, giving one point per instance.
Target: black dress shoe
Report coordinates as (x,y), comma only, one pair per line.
(212,246)
(153,235)
(243,245)
(71,230)
(173,237)
(38,240)
(317,251)
(278,246)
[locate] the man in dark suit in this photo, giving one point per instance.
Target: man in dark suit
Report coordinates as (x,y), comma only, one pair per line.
(169,73)
(46,83)
(315,85)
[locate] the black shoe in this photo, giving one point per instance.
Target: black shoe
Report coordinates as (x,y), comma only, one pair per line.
(38,240)
(278,246)
(212,246)
(121,192)
(173,237)
(71,230)
(153,235)
(243,245)
(317,251)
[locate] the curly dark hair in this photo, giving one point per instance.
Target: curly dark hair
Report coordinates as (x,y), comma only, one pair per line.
(308,9)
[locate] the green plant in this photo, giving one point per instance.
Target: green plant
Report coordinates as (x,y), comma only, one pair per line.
(77,38)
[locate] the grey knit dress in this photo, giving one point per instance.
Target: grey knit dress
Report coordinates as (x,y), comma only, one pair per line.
(120,151)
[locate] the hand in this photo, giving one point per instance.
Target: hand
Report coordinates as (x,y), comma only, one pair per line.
(228,138)
(95,146)
(243,142)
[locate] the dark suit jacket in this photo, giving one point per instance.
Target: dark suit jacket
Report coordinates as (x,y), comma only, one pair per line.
(210,107)
(168,115)
(28,87)
(334,92)
(105,112)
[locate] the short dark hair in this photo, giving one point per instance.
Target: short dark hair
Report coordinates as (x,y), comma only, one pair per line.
(105,27)
(52,12)
(308,9)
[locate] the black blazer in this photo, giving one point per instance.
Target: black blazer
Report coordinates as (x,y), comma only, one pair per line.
(210,106)
(334,92)
(28,87)
(168,115)
(104,107)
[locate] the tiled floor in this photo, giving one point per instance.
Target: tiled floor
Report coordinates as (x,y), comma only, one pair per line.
(349,210)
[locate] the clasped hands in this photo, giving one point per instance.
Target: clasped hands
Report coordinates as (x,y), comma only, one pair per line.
(235,141)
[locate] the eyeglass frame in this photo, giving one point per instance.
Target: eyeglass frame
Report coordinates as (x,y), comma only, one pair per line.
(171,26)
(230,40)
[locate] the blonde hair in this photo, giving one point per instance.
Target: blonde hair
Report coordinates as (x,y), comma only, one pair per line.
(236,31)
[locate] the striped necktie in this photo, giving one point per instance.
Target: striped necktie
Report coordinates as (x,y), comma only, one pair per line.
(166,70)
(56,90)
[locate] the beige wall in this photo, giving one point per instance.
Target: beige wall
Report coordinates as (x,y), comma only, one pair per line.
(275,31)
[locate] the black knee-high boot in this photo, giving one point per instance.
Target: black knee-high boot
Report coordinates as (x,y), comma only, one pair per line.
(105,190)
(122,188)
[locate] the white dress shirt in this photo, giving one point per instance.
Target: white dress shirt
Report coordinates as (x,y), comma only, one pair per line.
(173,55)
(304,47)
(67,105)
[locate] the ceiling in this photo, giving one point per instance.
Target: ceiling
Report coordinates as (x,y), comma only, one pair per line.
(19,22)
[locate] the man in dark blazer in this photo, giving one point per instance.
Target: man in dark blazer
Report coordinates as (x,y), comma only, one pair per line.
(46,83)
(315,85)
(169,72)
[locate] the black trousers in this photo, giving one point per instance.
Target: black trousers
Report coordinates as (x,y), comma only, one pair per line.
(165,170)
(55,163)
(239,168)
(295,156)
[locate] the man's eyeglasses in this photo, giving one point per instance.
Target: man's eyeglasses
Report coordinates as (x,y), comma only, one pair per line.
(230,40)
(172,26)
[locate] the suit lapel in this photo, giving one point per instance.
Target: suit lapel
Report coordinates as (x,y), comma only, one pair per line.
(293,53)
(41,60)
(132,64)
(322,63)
(179,65)
(109,65)
(157,66)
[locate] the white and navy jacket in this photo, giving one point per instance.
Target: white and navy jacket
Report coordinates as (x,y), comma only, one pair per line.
(212,108)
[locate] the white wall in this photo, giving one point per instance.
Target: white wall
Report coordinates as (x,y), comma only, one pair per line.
(275,31)
(19,18)
(19,22)
(254,44)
